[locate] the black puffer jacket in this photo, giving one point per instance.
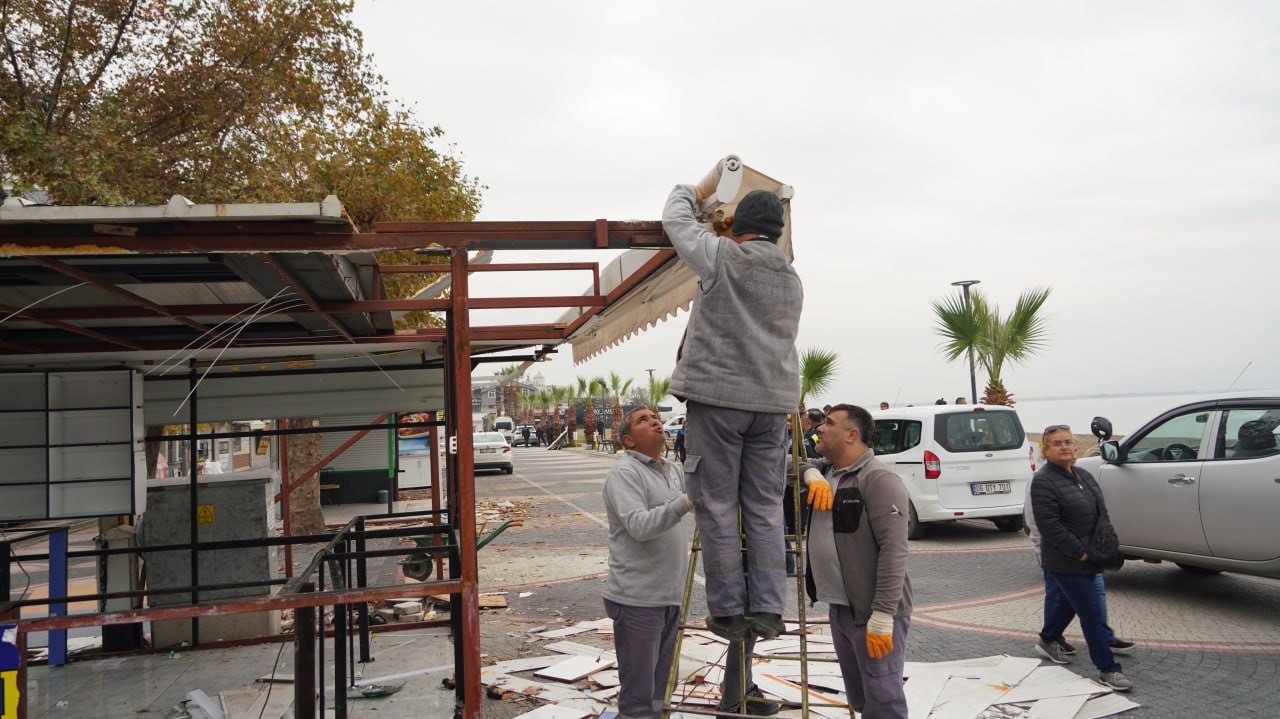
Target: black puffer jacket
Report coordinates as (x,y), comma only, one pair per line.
(1066,506)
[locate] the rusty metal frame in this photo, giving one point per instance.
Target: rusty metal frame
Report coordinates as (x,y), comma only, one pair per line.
(458,337)
(89,279)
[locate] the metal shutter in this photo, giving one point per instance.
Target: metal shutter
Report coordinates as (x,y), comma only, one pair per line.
(369,453)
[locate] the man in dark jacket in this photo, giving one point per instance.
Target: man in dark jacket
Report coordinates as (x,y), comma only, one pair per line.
(1067,504)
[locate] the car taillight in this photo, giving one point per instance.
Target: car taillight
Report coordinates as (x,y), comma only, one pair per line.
(506,448)
(932,466)
(1031,457)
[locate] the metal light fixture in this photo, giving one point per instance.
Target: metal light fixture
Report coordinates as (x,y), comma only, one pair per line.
(973,380)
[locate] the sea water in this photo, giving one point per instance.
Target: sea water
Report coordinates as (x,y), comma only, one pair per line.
(1128,413)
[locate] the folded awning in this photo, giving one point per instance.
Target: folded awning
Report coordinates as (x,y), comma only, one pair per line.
(665,291)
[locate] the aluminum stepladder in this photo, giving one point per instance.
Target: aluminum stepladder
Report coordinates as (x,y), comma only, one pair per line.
(796,547)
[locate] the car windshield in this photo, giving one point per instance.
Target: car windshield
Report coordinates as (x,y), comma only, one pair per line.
(979,431)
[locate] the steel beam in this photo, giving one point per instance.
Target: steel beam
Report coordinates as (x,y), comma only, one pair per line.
(85,277)
(289,281)
(28,315)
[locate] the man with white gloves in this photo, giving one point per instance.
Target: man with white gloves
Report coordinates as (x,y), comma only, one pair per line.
(739,373)
(858,561)
(648,563)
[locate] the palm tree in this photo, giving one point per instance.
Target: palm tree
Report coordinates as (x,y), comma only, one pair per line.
(571,414)
(658,388)
(817,371)
(586,389)
(977,327)
(542,399)
(507,389)
(618,388)
(558,395)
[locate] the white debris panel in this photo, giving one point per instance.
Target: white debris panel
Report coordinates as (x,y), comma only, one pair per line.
(996,687)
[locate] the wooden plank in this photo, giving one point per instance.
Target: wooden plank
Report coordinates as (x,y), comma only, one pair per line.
(581,650)
(574,668)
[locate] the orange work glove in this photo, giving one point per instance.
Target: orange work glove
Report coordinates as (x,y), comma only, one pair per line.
(819,490)
(879,635)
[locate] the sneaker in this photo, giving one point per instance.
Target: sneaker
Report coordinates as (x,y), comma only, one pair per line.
(757,705)
(1120,646)
(734,628)
(1117,681)
(766,626)
(1066,648)
(1051,651)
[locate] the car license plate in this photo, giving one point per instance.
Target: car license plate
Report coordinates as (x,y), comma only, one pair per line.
(491,450)
(990,487)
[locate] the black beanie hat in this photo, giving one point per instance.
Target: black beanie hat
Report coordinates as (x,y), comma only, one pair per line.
(761,212)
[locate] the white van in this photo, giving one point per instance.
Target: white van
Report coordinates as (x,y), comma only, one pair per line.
(506,426)
(958,462)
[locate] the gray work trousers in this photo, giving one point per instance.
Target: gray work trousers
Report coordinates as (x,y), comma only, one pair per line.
(737,461)
(644,638)
(737,674)
(873,686)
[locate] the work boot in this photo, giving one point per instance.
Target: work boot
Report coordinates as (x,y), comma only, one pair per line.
(766,626)
(734,628)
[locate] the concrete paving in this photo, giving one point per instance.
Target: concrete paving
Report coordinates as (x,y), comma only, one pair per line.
(1208,646)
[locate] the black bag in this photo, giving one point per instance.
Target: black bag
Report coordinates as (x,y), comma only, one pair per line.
(1104,545)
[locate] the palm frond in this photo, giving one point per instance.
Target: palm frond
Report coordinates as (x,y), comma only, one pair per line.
(817,371)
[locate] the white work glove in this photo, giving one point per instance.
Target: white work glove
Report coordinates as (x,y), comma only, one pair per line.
(880,635)
(819,490)
(687,502)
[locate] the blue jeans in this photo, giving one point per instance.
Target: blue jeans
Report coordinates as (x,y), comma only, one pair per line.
(1053,598)
(1081,599)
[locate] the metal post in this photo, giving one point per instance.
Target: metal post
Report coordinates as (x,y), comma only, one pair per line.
(462,503)
(193,477)
(973,380)
(58,585)
(362,581)
(304,660)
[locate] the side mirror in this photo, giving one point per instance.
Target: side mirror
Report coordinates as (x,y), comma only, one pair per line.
(1111,452)
(1101,428)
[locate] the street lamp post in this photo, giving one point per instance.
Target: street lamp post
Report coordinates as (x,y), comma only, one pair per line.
(973,380)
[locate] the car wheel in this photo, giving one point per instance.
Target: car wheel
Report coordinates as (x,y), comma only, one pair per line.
(1008,524)
(508,470)
(915,530)
(1198,570)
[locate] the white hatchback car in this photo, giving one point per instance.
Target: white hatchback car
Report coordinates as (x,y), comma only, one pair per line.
(492,451)
(958,462)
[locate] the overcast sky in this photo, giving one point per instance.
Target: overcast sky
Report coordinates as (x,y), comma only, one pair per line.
(1125,154)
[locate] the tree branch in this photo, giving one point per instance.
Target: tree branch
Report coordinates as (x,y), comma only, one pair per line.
(63,63)
(12,55)
(110,54)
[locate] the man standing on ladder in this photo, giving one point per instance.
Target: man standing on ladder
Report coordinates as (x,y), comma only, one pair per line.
(858,562)
(648,563)
(739,373)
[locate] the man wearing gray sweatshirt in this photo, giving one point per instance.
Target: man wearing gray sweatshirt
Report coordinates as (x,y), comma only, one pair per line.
(739,374)
(648,563)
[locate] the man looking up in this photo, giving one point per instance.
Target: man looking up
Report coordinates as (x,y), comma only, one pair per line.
(648,563)
(858,562)
(739,374)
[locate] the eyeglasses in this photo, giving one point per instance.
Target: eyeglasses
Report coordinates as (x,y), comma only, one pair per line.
(1056,428)
(1063,443)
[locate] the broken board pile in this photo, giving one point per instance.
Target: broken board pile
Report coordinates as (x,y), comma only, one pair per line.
(580,681)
